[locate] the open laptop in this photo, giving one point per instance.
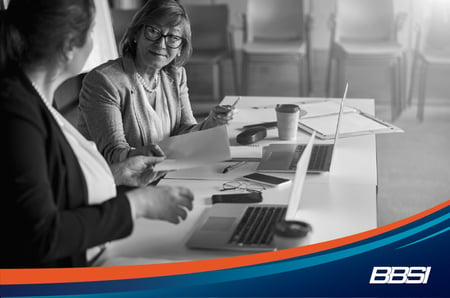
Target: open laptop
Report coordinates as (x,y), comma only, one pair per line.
(249,227)
(284,157)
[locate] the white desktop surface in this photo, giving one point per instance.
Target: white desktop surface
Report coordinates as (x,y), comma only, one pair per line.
(335,210)
(337,204)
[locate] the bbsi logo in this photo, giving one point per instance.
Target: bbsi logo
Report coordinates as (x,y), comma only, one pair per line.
(400,275)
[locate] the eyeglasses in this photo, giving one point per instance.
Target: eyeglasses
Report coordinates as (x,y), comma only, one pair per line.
(234,185)
(154,34)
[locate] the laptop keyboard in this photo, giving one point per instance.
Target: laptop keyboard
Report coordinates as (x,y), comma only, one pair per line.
(256,226)
(318,157)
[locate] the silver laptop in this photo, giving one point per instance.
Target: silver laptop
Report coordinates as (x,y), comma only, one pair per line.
(284,157)
(249,226)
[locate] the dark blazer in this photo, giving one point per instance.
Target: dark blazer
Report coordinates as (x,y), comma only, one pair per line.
(44,219)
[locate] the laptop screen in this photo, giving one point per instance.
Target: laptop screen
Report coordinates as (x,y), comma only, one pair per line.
(299,180)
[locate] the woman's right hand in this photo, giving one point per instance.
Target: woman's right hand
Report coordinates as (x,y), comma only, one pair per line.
(167,203)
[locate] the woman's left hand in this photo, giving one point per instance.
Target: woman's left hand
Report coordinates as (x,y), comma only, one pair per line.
(220,115)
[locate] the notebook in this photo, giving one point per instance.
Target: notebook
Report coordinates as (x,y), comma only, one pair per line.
(234,226)
(284,157)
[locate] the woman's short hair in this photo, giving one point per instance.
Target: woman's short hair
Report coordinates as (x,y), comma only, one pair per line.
(37,31)
(167,12)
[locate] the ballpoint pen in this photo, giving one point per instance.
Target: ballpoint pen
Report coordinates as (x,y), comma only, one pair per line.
(234,166)
(235,102)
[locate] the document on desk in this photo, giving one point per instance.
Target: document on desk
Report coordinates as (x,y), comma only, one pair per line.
(322,118)
(252,152)
(195,149)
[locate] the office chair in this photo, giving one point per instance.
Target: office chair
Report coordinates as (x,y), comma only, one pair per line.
(364,33)
(212,43)
(276,41)
(432,49)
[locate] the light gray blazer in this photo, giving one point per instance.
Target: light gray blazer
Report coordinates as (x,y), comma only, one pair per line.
(114,112)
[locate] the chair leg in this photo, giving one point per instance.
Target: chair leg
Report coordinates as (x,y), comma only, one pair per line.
(301,81)
(422,90)
(220,80)
(328,77)
(412,79)
(399,87)
(245,73)
(402,80)
(216,82)
(237,88)
(340,78)
(393,91)
(309,88)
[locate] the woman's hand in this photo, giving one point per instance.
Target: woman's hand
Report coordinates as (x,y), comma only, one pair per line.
(219,115)
(136,170)
(161,202)
(149,150)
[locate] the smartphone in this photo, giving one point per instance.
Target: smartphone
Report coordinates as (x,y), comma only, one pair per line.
(246,198)
(265,179)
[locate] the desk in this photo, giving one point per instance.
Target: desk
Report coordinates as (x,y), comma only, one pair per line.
(337,204)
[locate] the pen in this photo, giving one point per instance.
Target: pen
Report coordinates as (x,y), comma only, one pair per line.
(232,167)
(235,102)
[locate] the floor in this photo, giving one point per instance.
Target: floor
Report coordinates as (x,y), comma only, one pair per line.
(414,167)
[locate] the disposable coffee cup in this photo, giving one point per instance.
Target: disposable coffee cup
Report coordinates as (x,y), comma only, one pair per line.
(289,234)
(287,121)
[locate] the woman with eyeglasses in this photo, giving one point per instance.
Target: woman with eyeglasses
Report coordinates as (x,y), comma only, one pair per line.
(59,199)
(130,104)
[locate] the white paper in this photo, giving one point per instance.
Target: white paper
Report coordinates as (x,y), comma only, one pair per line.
(214,172)
(351,123)
(238,152)
(195,149)
(323,108)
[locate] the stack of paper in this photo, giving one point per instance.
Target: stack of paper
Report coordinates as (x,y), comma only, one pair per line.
(322,118)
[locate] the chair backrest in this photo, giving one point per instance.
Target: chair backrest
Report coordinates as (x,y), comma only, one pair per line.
(437,28)
(365,20)
(209,26)
(275,20)
(121,18)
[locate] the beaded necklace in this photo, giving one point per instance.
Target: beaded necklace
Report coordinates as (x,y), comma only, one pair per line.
(145,85)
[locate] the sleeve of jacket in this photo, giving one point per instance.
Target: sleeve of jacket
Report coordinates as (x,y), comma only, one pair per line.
(100,109)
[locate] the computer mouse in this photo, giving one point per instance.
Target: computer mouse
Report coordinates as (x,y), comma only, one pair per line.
(251,135)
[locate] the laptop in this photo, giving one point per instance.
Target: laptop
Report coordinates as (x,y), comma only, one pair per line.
(284,157)
(249,227)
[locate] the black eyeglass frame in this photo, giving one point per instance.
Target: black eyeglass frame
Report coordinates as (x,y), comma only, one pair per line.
(234,185)
(161,35)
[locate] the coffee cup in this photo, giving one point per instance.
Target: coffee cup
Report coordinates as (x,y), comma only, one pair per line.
(291,233)
(287,121)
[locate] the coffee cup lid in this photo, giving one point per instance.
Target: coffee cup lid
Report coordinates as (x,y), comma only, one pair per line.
(292,228)
(287,108)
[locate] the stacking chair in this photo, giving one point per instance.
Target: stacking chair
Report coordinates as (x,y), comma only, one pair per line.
(364,33)
(432,50)
(212,44)
(276,59)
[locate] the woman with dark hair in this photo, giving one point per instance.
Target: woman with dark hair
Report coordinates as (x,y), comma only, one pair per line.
(130,104)
(59,195)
